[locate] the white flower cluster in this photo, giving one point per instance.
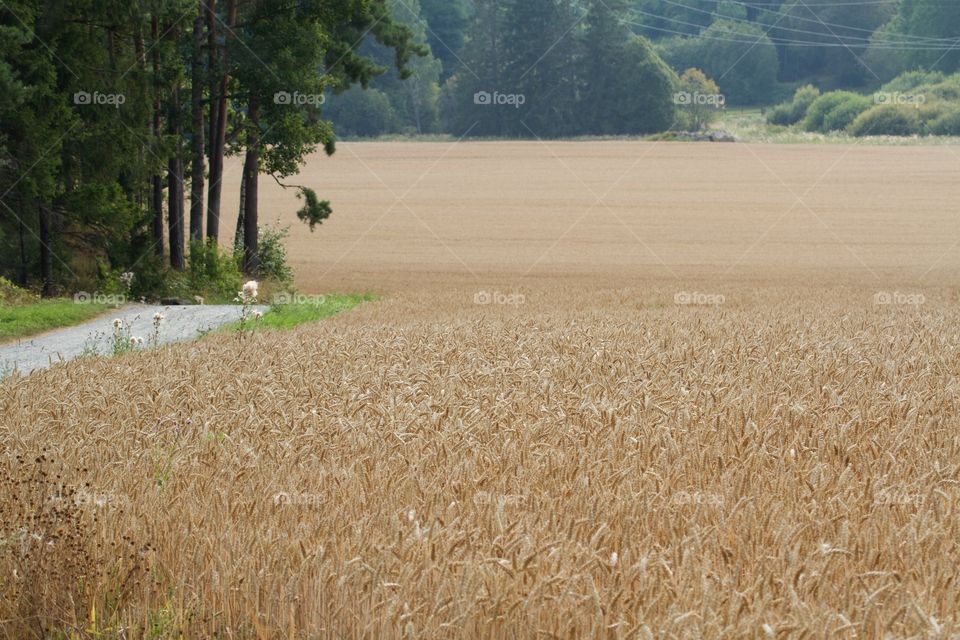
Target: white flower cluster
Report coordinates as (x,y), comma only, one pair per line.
(249,293)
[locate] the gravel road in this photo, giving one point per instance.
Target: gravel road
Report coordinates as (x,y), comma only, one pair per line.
(179,323)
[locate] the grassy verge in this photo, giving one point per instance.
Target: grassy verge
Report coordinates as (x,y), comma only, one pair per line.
(20,321)
(288,316)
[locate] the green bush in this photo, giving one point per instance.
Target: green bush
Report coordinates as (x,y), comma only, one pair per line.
(887,120)
(12,294)
(794,111)
(949,89)
(781,115)
(948,123)
(840,117)
(819,114)
(911,80)
(703,102)
(933,110)
(273,255)
(150,277)
(211,274)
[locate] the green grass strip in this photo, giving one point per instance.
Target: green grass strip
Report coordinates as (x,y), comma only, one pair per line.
(21,321)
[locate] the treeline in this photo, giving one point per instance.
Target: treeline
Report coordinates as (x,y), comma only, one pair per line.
(555,55)
(116,117)
(516,68)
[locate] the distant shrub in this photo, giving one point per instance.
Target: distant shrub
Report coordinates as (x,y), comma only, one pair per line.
(12,294)
(781,115)
(819,116)
(887,120)
(273,255)
(211,274)
(949,89)
(933,110)
(948,123)
(151,277)
(700,100)
(845,112)
(794,111)
(911,80)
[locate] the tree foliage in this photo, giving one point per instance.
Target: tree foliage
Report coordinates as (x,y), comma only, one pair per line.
(100,103)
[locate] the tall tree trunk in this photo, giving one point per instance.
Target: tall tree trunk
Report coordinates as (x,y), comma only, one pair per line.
(196,110)
(238,234)
(219,135)
(251,173)
(46,253)
(213,74)
(175,183)
(23,271)
(156,200)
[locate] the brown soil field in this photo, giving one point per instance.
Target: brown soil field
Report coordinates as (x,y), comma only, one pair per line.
(702,413)
(414,214)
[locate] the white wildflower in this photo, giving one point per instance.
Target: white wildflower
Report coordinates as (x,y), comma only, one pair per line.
(613,558)
(158,318)
(118,324)
(258,314)
(250,290)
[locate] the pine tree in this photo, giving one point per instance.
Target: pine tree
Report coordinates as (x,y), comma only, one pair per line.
(481,72)
(604,38)
(540,66)
(447,22)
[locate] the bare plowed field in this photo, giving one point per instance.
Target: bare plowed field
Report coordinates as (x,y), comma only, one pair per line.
(702,412)
(409,214)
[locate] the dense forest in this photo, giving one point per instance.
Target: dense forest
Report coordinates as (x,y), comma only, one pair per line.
(588,67)
(116,116)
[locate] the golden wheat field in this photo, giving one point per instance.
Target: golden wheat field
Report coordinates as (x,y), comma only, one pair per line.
(712,426)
